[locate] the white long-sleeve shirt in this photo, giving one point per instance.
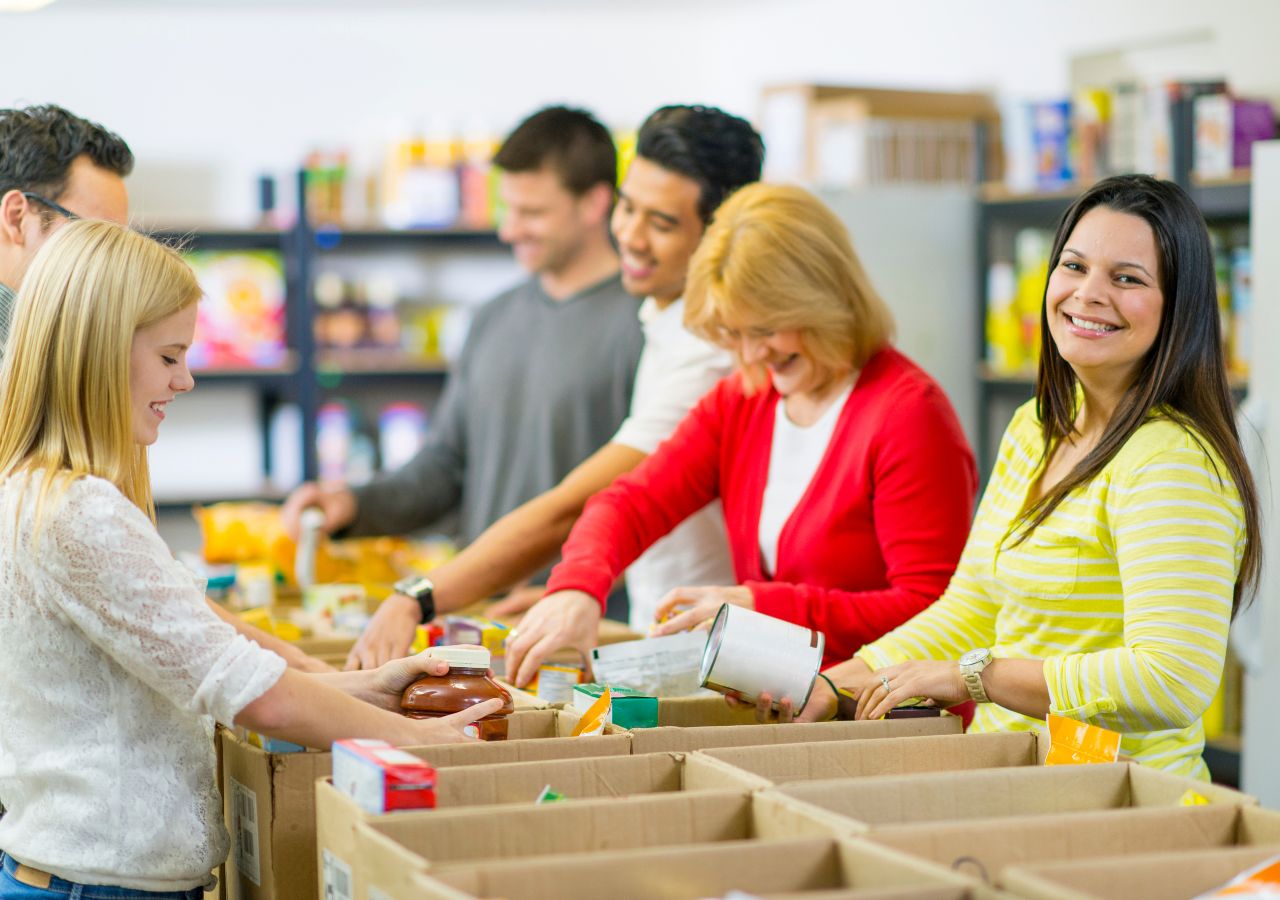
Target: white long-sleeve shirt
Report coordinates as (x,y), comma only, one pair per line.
(676,368)
(112,673)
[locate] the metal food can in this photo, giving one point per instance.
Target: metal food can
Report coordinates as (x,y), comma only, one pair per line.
(753,654)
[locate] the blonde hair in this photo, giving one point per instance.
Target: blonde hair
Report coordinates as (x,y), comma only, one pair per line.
(776,258)
(65,408)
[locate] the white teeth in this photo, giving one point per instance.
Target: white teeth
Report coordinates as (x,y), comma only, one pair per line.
(1091,326)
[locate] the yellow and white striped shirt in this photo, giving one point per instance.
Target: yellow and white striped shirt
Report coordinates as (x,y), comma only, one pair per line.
(1124,591)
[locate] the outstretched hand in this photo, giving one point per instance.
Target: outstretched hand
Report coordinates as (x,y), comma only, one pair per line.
(696,607)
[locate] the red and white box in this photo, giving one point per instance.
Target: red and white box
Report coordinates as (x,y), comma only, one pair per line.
(380,778)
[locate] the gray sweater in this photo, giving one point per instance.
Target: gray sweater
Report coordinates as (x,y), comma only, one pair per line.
(540,385)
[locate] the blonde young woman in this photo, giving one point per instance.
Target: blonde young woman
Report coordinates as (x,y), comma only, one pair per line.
(112,668)
(1119,532)
(846,482)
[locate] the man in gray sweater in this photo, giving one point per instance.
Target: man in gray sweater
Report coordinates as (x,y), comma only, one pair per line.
(546,374)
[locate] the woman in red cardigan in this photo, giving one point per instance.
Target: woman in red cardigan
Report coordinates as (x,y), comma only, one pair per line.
(846,481)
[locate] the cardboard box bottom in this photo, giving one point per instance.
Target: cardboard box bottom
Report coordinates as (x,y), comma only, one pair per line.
(761,868)
(1162,876)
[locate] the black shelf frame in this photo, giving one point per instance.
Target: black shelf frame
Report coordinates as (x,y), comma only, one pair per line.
(304,379)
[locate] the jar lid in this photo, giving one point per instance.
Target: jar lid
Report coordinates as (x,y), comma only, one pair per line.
(463,656)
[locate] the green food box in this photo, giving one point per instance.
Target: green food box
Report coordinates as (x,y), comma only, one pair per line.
(631,709)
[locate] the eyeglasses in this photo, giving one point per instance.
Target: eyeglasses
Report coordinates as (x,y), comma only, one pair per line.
(56,207)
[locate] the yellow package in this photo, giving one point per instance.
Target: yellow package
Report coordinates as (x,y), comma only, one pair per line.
(1073,743)
(597,716)
(245,532)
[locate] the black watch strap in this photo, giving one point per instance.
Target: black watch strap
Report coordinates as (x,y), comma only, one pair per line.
(422,590)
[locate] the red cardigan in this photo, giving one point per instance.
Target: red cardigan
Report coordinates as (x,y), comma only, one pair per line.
(873,540)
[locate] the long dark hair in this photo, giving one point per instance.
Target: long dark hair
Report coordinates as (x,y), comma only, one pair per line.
(1184,375)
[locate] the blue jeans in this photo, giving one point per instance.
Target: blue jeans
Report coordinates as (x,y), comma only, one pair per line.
(13,889)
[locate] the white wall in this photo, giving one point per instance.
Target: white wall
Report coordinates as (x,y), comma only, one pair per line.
(211,92)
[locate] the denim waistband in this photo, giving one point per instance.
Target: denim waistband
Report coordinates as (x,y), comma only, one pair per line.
(60,887)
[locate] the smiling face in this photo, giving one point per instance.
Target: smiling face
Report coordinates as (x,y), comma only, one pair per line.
(158,370)
(791,370)
(657,227)
(545,224)
(1104,302)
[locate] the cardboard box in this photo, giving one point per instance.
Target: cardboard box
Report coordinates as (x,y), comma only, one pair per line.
(331,649)
(390,850)
(675,739)
(1158,876)
(985,848)
(886,756)
(836,135)
(1018,790)
(269,799)
(837,869)
(337,815)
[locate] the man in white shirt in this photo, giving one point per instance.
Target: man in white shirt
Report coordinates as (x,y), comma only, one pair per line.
(688,159)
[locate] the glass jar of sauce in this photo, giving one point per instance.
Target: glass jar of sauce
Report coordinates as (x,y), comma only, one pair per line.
(465,684)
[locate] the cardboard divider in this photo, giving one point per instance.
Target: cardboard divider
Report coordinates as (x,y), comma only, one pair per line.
(390,850)
(985,848)
(855,806)
(1157,876)
(886,756)
(518,784)
(832,869)
(708,710)
(677,739)
(269,798)
(331,649)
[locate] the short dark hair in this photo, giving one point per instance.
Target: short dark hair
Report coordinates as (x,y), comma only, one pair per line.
(39,143)
(570,142)
(719,151)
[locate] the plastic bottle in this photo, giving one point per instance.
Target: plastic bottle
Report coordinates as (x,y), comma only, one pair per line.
(466,684)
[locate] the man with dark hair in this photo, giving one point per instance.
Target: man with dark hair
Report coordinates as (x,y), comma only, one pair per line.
(54,166)
(546,374)
(688,159)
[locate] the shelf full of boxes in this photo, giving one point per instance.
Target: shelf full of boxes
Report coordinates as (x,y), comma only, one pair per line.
(316,328)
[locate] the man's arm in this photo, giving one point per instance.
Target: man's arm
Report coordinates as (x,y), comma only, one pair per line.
(426,487)
(512,548)
(529,537)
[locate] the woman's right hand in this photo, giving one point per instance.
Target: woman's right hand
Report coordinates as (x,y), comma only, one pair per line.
(450,729)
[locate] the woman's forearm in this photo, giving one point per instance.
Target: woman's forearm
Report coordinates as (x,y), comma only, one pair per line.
(1019,685)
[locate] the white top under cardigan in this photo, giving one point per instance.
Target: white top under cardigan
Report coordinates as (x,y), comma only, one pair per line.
(676,368)
(112,673)
(794,458)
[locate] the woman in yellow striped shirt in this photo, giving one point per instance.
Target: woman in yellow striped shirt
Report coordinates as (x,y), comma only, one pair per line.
(1119,530)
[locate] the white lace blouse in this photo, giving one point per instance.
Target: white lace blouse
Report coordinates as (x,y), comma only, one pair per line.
(112,673)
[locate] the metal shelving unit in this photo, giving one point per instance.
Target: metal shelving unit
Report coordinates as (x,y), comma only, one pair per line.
(309,371)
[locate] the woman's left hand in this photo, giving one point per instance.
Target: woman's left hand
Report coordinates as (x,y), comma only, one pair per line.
(384,685)
(937,681)
(698,606)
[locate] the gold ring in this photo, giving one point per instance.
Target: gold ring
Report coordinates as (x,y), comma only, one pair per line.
(884,679)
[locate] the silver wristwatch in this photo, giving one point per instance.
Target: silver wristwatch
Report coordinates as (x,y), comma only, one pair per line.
(971,666)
